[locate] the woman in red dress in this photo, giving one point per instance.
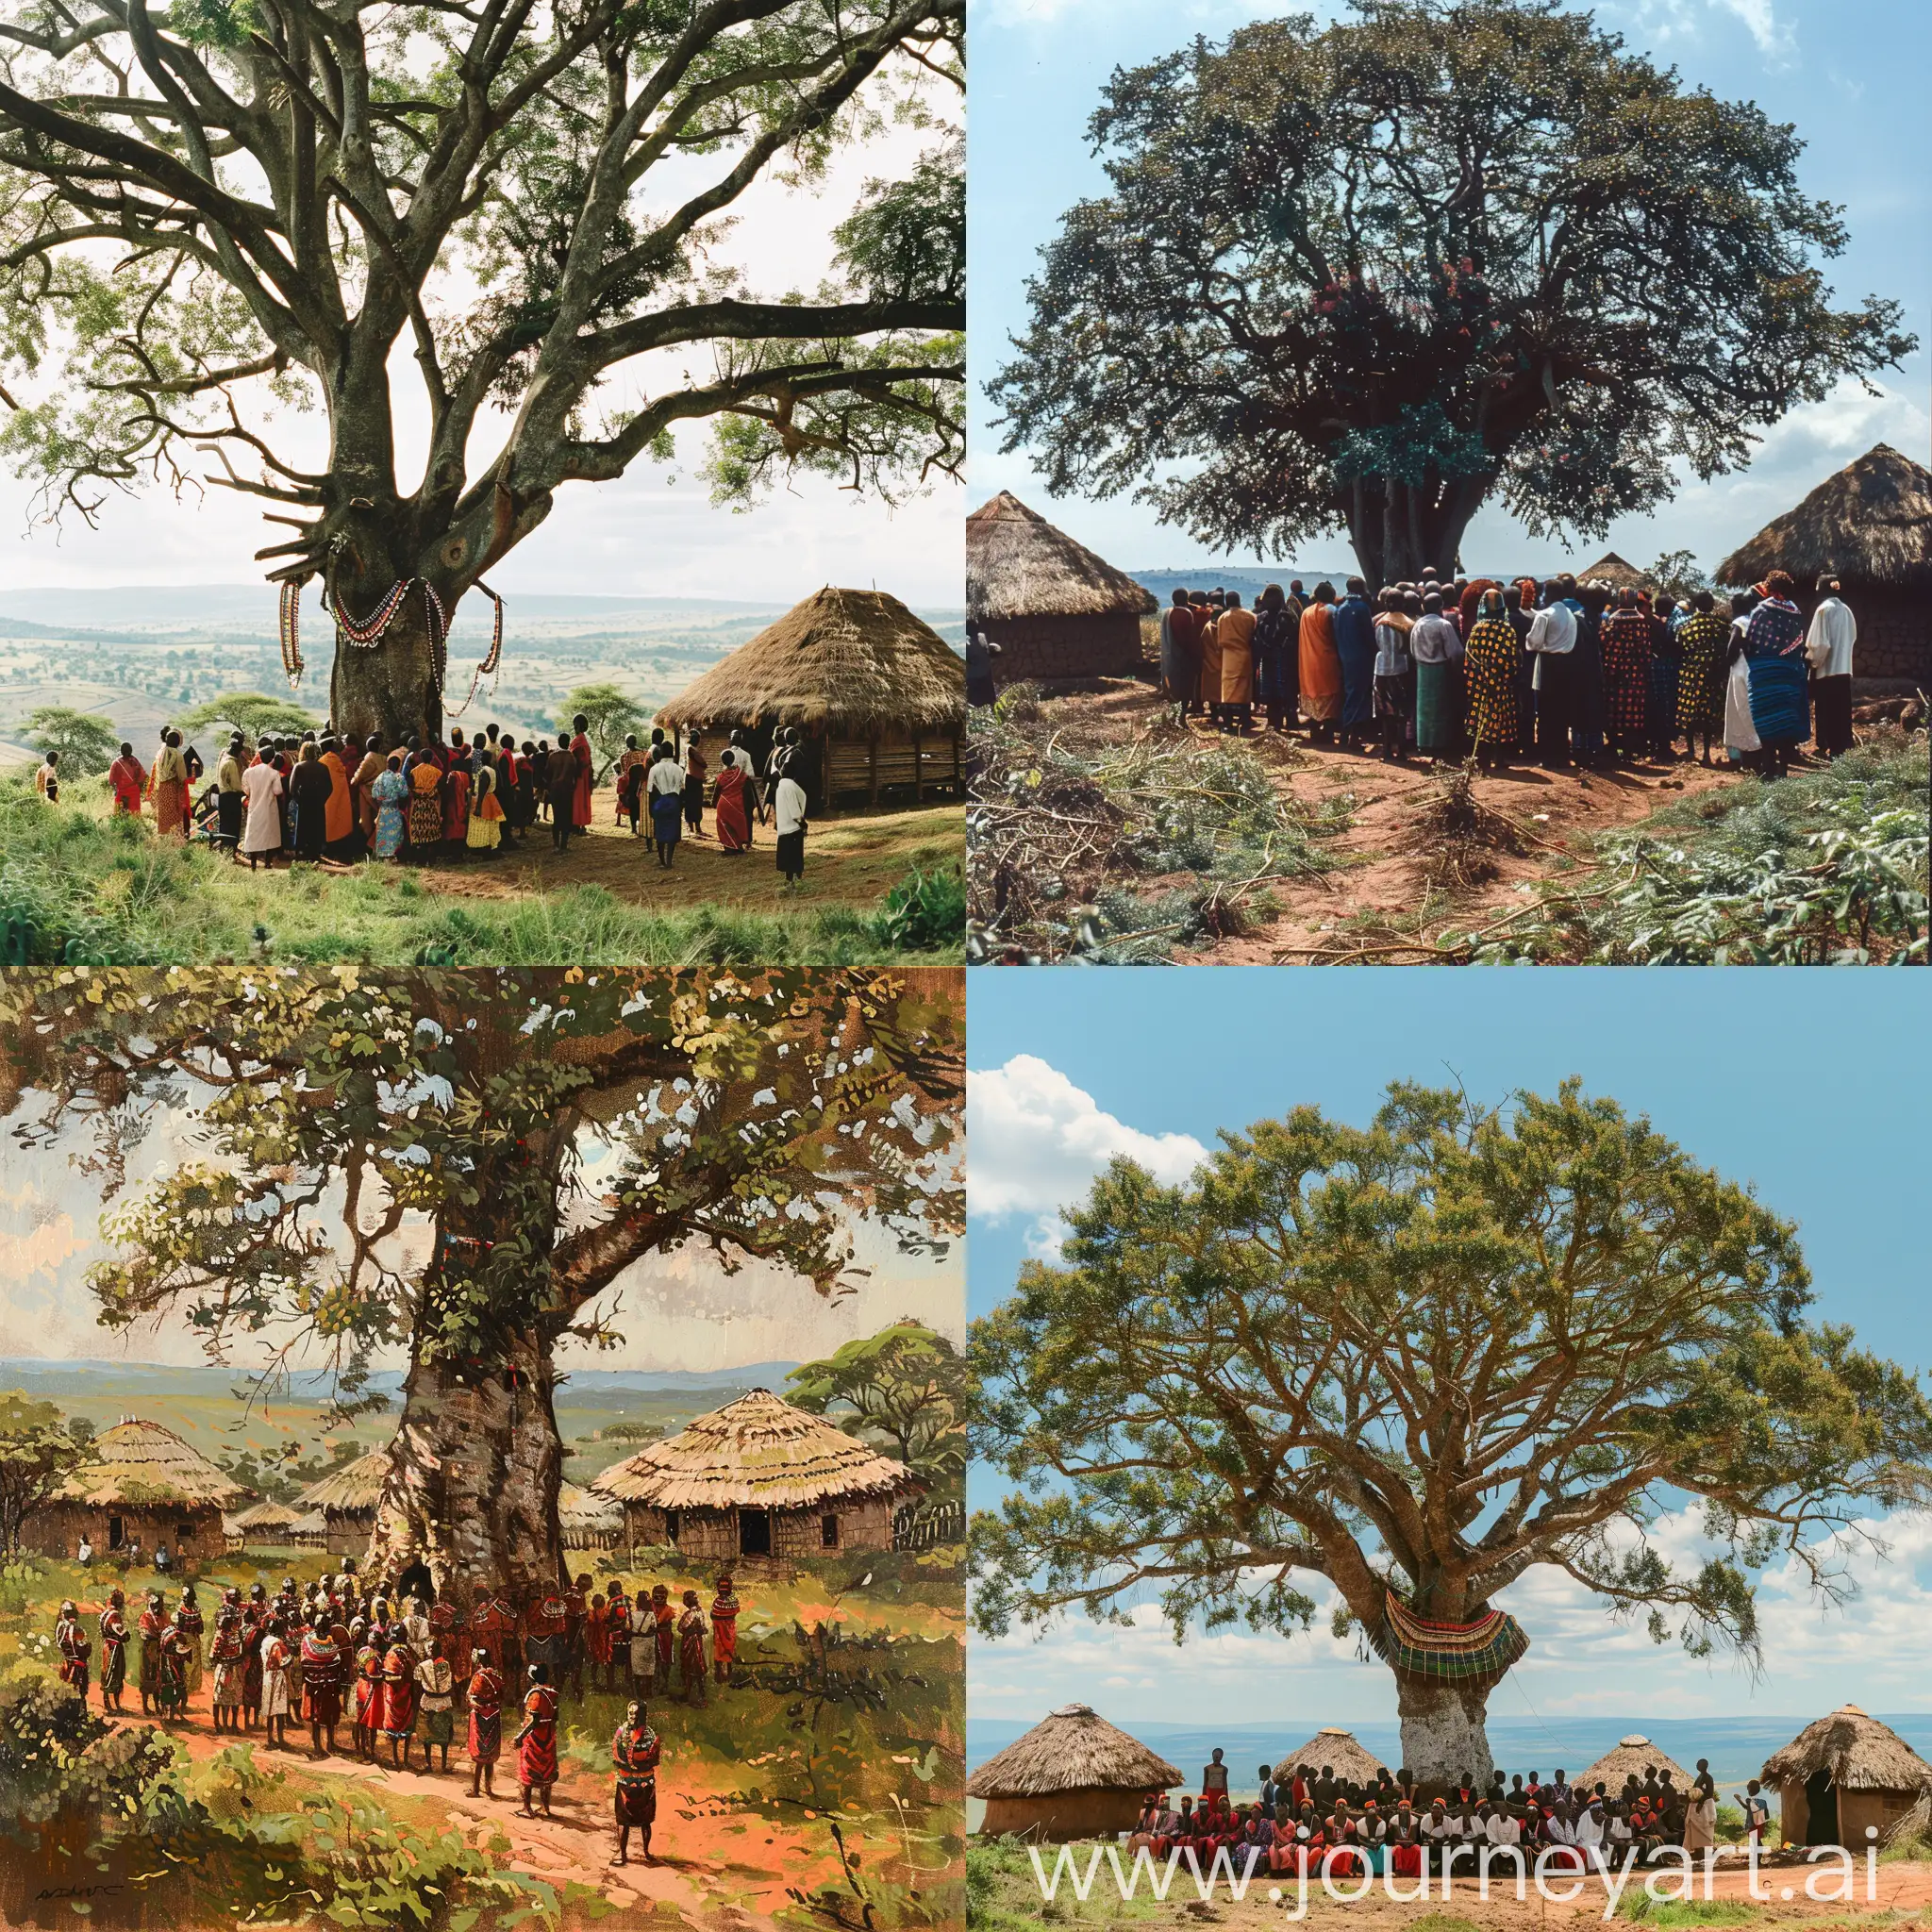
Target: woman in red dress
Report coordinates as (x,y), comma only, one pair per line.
(536,1742)
(586,757)
(486,1723)
(733,818)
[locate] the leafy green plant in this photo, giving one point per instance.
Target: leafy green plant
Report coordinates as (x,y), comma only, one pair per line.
(926,913)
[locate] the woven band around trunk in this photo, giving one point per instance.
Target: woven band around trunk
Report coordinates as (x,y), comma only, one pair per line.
(1413,1646)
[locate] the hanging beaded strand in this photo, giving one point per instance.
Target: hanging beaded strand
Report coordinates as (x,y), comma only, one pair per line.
(291,630)
(366,634)
(493,658)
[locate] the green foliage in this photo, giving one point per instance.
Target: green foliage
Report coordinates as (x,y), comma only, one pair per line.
(1308,1357)
(1677,571)
(57,1756)
(87,745)
(926,913)
(612,714)
(905,1385)
(251,713)
(38,1449)
(1371,202)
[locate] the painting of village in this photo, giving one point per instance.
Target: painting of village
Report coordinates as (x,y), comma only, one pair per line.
(481,1450)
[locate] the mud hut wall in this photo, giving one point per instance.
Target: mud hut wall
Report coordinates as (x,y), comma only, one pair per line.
(55,1530)
(1894,635)
(1051,647)
(1877,1810)
(1793,1810)
(1090,1813)
(349,1531)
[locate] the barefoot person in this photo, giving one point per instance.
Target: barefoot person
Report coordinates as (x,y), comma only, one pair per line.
(634,1754)
(690,1648)
(276,1701)
(486,1723)
(322,1685)
(536,1742)
(113,1651)
(724,1630)
(436,1684)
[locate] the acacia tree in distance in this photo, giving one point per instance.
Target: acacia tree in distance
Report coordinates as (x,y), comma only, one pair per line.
(407,1162)
(1416,1361)
(237,205)
(1369,278)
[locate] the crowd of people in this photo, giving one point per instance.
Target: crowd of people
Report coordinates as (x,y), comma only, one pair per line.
(1311,1821)
(318,796)
(1561,672)
(398,1672)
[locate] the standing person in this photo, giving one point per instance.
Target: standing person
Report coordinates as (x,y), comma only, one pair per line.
(1491,655)
(1828,651)
(276,1661)
(599,1625)
(788,806)
(1207,642)
(1180,668)
(536,1742)
(253,1623)
(262,789)
(389,796)
(561,776)
(586,761)
(732,813)
(485,1737)
(1552,641)
(694,773)
(1757,1811)
(1624,640)
(1666,657)
(365,1692)
(980,652)
(436,1689)
(664,1617)
(641,1622)
(309,793)
(172,1696)
(1354,625)
(225,1654)
(1394,677)
(76,1646)
(1775,650)
(424,773)
(171,788)
(1740,734)
(1236,635)
(339,808)
(635,1752)
(724,1630)
(690,1648)
(633,770)
(194,1627)
(127,782)
(456,806)
(1435,645)
(1274,653)
(362,804)
(321,1662)
(1516,598)
(113,1651)
(400,1690)
(1319,680)
(665,783)
(47,779)
(1587,692)
(1701,639)
(151,1626)
(485,813)
(231,796)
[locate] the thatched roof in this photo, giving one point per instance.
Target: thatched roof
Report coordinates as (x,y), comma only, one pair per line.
(1332,1746)
(579,1512)
(852,662)
(757,1452)
(1628,1759)
(1018,565)
(1073,1750)
(356,1485)
(1871,524)
(1861,1754)
(267,1516)
(138,1461)
(1612,569)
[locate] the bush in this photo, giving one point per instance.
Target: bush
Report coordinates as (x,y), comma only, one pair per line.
(926,913)
(59,1759)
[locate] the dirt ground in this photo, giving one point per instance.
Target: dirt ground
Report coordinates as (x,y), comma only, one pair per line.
(1558,814)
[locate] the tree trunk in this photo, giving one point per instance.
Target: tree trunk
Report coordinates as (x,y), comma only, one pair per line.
(390,687)
(1398,534)
(1443,1740)
(474,1476)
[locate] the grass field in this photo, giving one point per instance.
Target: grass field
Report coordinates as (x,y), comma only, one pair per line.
(75,886)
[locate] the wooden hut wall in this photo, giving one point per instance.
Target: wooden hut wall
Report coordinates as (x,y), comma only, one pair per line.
(189,1529)
(349,1531)
(918,762)
(1858,1811)
(1063,1814)
(708,1536)
(1051,647)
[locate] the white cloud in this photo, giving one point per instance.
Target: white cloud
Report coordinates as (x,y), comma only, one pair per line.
(1039,1142)
(1774,37)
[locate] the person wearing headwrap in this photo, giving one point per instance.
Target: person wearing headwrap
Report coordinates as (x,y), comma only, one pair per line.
(635,1752)
(76,1647)
(536,1742)
(1491,655)
(1774,651)
(485,1735)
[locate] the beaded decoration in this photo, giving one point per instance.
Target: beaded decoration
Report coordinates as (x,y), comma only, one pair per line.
(493,658)
(291,628)
(369,632)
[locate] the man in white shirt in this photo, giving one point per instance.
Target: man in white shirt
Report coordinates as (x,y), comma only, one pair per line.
(665,786)
(1551,642)
(1828,648)
(788,805)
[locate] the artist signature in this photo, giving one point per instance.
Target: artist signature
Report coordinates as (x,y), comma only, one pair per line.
(79,1891)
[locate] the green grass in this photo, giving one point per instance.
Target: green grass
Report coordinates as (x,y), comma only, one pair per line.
(1639,1904)
(82,889)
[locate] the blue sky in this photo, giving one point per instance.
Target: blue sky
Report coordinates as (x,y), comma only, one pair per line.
(1809,1088)
(1851,74)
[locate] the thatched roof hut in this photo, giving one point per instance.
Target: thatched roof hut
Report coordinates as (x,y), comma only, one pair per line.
(589,1522)
(1336,1748)
(141,1483)
(266,1522)
(1869,525)
(1616,570)
(1071,1775)
(879,696)
(758,1479)
(346,1499)
(1628,1759)
(1053,607)
(1844,1778)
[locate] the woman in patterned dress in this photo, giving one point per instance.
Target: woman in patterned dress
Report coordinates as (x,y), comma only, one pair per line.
(426,803)
(436,1687)
(398,1704)
(1702,638)
(1489,655)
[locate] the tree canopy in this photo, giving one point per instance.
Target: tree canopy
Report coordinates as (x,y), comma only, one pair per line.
(1415,1360)
(251,713)
(1368,278)
(86,744)
(905,1387)
(39,1449)
(223,214)
(613,715)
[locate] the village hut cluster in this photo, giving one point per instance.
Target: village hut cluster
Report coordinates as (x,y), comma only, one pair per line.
(758,1480)
(878,697)
(1074,1775)
(142,1487)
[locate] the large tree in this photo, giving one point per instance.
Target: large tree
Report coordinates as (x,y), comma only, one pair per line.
(904,1388)
(231,207)
(464,1167)
(1414,1362)
(1368,278)
(39,1449)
